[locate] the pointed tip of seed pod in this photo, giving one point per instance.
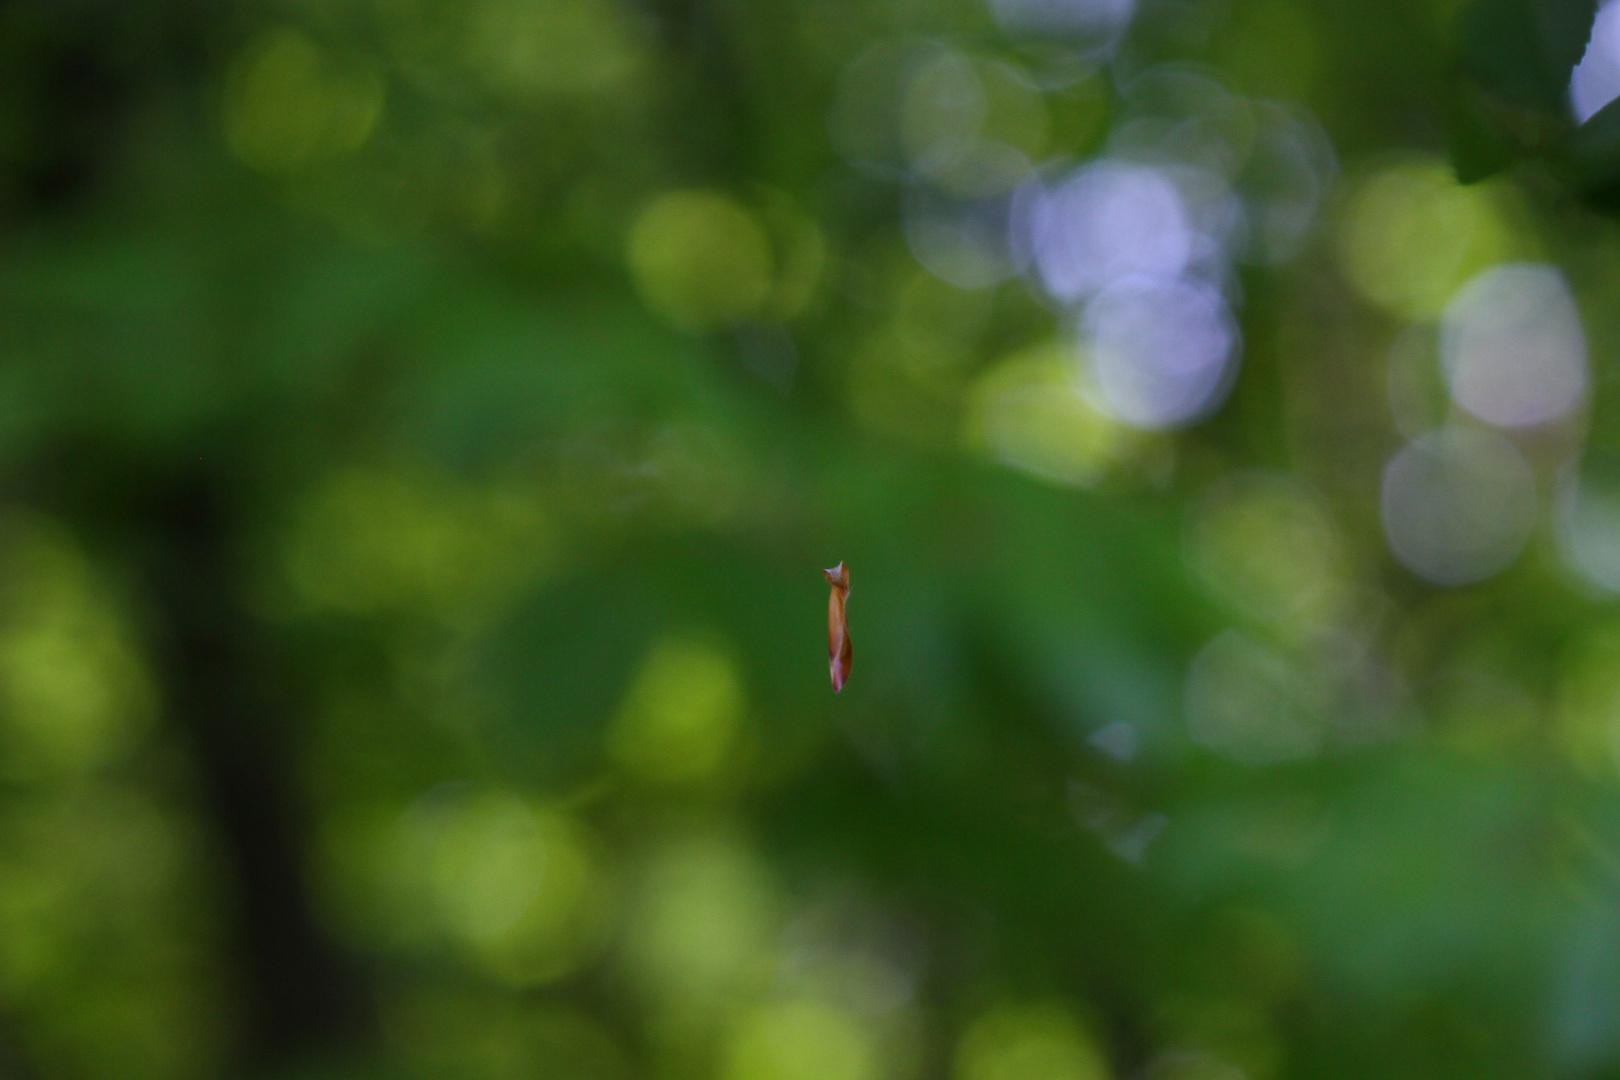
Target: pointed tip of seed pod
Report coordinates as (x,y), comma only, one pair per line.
(838,576)
(840,667)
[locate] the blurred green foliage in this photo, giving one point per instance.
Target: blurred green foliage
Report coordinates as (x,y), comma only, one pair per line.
(423,424)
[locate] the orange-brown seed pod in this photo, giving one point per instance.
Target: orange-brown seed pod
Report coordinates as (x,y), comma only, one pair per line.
(839,652)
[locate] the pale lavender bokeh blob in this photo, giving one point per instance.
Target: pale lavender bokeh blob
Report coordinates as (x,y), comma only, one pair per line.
(1161,348)
(1596,79)
(1458,505)
(1138,249)
(1096,20)
(1139,244)
(1106,221)
(1512,346)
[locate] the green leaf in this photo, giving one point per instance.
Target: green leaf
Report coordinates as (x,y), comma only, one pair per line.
(1480,147)
(1594,147)
(1591,159)
(1523,51)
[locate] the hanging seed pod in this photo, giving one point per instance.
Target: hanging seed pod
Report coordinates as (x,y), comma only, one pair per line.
(839,652)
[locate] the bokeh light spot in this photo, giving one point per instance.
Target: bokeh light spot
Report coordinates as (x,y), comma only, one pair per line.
(1289,168)
(286,105)
(1458,505)
(700,259)
(73,692)
(1266,547)
(1248,702)
(799,1040)
(1162,349)
(799,247)
(971,126)
(941,112)
(1029,412)
(1411,235)
(1094,26)
(1029,1042)
(960,241)
(1596,79)
(703,923)
(538,48)
(869,107)
(102,941)
(1588,520)
(905,381)
(1015,110)
(369,540)
(1513,348)
(516,884)
(681,718)
(1109,220)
